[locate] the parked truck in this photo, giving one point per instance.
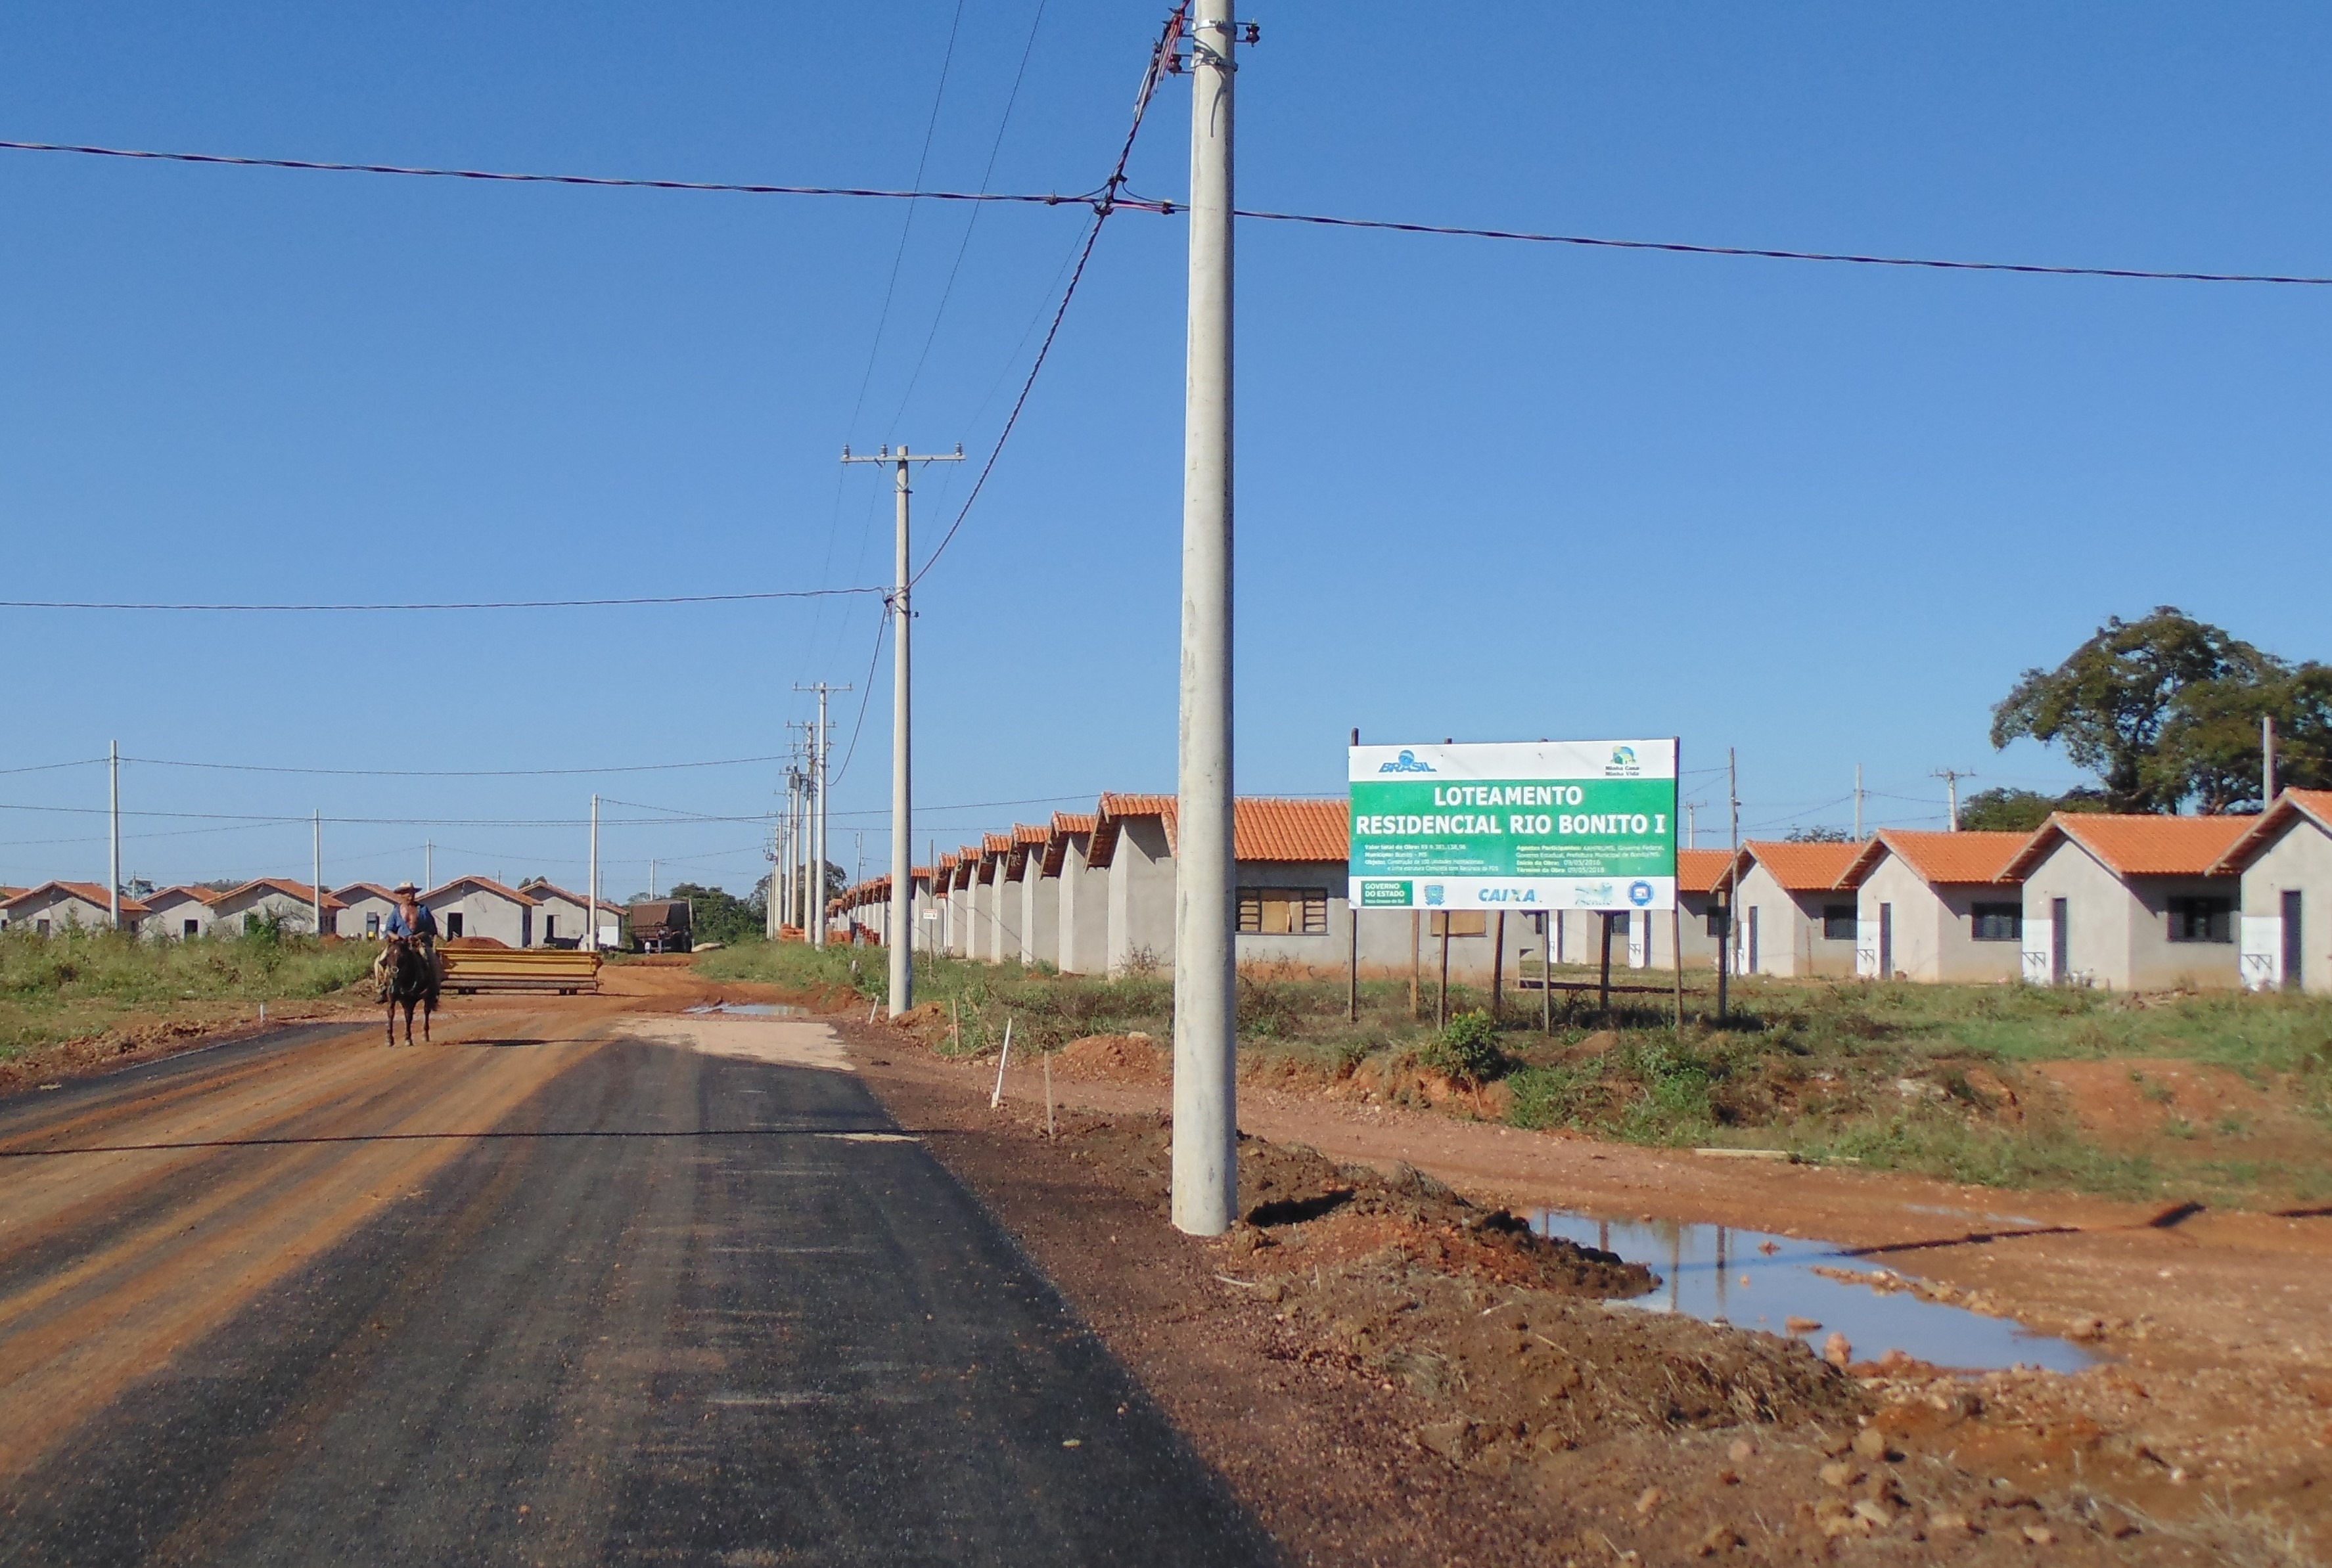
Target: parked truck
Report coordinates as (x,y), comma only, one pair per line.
(662,926)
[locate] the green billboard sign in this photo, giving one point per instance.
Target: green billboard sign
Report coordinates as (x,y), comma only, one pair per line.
(1527,825)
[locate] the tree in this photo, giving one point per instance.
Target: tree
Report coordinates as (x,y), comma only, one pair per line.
(716,916)
(2015,811)
(2108,704)
(2210,746)
(1820,835)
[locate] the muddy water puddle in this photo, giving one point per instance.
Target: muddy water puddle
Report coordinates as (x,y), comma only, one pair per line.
(1753,1280)
(751,1009)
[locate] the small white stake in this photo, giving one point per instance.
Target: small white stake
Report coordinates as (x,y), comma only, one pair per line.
(1001,1058)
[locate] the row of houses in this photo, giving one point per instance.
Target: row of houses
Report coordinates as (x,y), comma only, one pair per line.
(537,914)
(2126,902)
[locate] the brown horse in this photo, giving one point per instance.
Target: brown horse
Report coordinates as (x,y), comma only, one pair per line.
(408,979)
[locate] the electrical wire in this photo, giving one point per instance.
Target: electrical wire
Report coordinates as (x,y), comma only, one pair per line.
(437,773)
(467,605)
(1683,248)
(867,687)
(1161,58)
(971,224)
(1105,199)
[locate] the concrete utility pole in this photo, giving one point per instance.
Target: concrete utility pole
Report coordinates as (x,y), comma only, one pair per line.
(113,861)
(1951,777)
(1857,802)
(591,936)
(902,923)
(1725,950)
(429,849)
(2267,761)
(1206,1004)
(820,761)
(317,887)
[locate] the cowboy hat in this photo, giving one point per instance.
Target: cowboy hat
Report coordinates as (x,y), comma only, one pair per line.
(404,888)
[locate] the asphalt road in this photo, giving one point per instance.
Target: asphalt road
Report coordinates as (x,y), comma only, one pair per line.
(562,1296)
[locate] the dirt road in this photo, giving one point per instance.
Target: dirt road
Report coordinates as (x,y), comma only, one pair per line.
(573,1284)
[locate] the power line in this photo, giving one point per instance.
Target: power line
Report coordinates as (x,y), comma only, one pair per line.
(503,177)
(1104,199)
(1161,58)
(1680,247)
(432,772)
(467,605)
(971,223)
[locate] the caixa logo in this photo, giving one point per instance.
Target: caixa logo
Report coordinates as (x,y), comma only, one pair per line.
(1506,894)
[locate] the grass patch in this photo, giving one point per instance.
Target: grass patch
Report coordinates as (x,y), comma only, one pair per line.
(78,983)
(1894,1075)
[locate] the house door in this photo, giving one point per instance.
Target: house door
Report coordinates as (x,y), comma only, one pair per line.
(453,924)
(1885,941)
(1752,968)
(2294,948)
(2061,944)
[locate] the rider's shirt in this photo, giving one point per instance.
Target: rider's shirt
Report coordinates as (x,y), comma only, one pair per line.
(423,924)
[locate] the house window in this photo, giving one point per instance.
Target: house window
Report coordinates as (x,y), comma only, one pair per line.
(1837,922)
(372,924)
(454,923)
(1459,923)
(1996,922)
(1283,911)
(193,928)
(42,927)
(2202,919)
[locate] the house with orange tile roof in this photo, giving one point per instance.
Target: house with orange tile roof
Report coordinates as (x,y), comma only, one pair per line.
(995,903)
(482,906)
(1133,842)
(963,866)
(181,911)
(2136,903)
(53,906)
(2284,862)
(1794,917)
(561,917)
(1080,893)
(1037,912)
(1933,907)
(293,905)
(364,909)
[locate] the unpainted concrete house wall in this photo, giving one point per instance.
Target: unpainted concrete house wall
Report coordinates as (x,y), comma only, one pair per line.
(1927,926)
(2292,874)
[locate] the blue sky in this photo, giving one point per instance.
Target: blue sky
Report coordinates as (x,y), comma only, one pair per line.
(1821,514)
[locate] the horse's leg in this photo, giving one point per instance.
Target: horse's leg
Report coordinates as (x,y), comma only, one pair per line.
(428,1009)
(392,1024)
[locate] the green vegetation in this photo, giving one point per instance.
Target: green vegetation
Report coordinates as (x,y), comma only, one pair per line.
(79,983)
(1930,1078)
(720,916)
(2165,710)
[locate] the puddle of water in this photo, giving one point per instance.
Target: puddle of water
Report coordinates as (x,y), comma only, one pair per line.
(753,1009)
(1717,1274)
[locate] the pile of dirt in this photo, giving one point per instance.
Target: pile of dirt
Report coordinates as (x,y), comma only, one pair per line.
(1115,1058)
(1320,1212)
(475,945)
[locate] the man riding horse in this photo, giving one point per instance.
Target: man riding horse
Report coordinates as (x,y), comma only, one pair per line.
(407,971)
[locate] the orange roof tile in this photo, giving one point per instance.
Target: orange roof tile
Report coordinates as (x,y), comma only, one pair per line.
(1065,826)
(288,888)
(1264,828)
(1074,821)
(2136,846)
(2314,804)
(1701,870)
(488,884)
(200,895)
(87,892)
(1950,858)
(1802,867)
(996,843)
